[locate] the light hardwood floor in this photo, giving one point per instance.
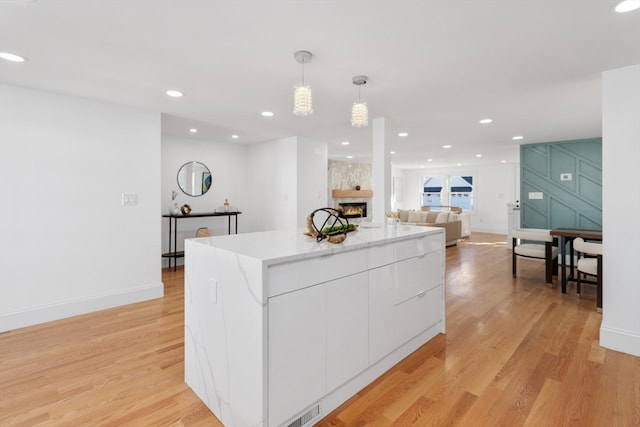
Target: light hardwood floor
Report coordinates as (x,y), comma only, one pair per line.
(516,353)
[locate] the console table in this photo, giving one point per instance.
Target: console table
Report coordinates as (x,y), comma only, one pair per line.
(173,225)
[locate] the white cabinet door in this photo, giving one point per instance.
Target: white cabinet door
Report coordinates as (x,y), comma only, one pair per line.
(297,352)
(347,328)
(405,299)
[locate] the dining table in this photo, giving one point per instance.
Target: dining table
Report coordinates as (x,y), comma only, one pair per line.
(567,235)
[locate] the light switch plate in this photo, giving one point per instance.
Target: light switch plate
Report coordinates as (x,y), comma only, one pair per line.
(129,199)
(535,195)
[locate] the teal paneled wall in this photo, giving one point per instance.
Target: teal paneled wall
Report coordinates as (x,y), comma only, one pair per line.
(569,203)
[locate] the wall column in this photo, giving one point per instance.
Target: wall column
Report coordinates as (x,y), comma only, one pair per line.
(381,171)
(620,328)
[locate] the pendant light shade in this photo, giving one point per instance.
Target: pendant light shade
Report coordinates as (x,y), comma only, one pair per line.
(359,110)
(302,101)
(359,114)
(627,6)
(302,96)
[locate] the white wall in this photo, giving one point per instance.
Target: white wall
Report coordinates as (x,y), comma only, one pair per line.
(273,182)
(227,163)
(620,329)
(494,186)
(68,244)
(397,188)
(312,178)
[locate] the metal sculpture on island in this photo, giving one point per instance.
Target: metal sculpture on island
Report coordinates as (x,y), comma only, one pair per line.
(334,226)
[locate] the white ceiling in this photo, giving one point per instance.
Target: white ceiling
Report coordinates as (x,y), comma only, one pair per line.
(435,67)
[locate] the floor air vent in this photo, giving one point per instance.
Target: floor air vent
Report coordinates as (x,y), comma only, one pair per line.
(306,418)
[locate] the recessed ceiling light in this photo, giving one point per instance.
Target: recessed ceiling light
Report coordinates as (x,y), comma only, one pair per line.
(11,57)
(267,114)
(174,93)
(393,152)
(459,164)
(403,134)
(193,130)
(478,155)
(517,137)
(421,166)
(234,136)
(345,142)
(627,6)
(503,161)
(485,121)
(429,160)
(349,157)
(447,146)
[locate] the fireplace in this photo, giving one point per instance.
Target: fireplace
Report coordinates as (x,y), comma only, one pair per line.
(354,210)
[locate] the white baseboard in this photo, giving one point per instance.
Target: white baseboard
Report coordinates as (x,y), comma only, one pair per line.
(47,313)
(620,340)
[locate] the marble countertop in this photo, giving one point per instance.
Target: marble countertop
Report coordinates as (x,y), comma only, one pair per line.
(274,247)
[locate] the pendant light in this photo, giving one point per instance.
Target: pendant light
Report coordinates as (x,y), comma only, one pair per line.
(359,110)
(302,102)
(627,6)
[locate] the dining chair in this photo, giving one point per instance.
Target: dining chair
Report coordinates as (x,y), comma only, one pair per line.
(590,264)
(544,247)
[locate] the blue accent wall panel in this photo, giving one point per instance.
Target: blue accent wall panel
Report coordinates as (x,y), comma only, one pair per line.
(565,203)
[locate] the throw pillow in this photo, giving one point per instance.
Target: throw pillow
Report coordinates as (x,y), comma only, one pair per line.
(442,217)
(431,217)
(403,215)
(414,217)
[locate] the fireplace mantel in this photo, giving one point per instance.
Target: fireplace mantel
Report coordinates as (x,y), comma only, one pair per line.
(344,194)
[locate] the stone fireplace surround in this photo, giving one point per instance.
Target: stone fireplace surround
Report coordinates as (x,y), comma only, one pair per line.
(346,176)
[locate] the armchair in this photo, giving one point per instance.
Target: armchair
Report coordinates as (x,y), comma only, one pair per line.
(547,250)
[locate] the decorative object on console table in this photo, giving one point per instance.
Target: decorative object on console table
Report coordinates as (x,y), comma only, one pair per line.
(185,209)
(226,205)
(174,209)
(357,188)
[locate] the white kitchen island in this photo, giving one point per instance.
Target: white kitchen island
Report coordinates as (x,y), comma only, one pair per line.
(280,330)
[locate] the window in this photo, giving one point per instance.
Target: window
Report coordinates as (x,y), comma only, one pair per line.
(432,191)
(461,192)
(454,190)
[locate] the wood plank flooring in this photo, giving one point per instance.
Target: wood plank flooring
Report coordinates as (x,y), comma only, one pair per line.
(516,353)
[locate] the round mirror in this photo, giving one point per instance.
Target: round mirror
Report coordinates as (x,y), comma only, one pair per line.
(194,179)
